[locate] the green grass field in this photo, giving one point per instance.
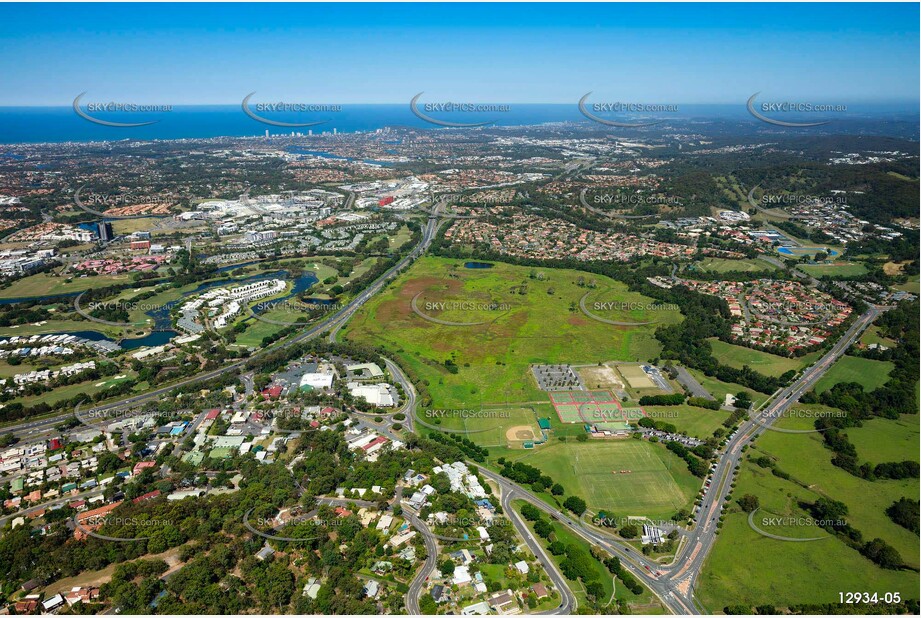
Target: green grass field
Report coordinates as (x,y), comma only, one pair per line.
(838,269)
(7,370)
(882,439)
(913,285)
(72,390)
(128,226)
(871,374)
(58,326)
(762,362)
(657,485)
(722,265)
(872,335)
(492,358)
(44,284)
(747,567)
(721,389)
(697,422)
(486,427)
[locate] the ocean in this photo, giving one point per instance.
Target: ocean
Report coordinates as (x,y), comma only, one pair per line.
(20,125)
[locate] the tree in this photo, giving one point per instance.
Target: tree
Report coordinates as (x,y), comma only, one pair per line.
(905,512)
(575,504)
(447,567)
(743,400)
(557,489)
(749,503)
(882,554)
(530,512)
(543,528)
(595,590)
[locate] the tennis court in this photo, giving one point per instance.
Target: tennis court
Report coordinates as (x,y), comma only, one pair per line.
(593,407)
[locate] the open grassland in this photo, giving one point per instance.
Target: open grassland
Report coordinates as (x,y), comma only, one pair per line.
(45,284)
(723,265)
(806,459)
(872,335)
(721,389)
(62,326)
(142,224)
(871,374)
(837,269)
(513,321)
(696,422)
(912,285)
(882,439)
(746,566)
(657,485)
(7,370)
(762,362)
(256,331)
(72,390)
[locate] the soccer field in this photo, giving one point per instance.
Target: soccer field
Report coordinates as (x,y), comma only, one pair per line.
(626,477)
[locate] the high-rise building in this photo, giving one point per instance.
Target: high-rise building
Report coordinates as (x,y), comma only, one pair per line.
(104,231)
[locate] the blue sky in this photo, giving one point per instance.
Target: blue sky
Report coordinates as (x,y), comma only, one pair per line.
(515,53)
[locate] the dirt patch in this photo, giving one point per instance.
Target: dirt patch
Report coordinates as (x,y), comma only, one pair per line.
(577,320)
(600,377)
(519,433)
(891,268)
(103,576)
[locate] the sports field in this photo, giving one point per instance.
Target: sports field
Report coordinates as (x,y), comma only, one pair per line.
(722,265)
(599,377)
(627,477)
(493,427)
(504,320)
(838,269)
(594,407)
(635,377)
